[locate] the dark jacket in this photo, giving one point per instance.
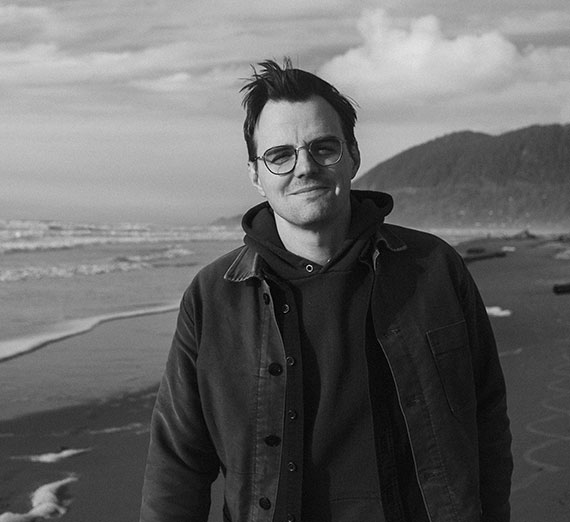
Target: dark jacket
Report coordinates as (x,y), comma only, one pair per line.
(223,395)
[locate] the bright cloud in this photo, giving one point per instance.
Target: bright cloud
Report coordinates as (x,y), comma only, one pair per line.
(418,65)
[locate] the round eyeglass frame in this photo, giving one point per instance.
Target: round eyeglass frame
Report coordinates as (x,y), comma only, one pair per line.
(296,150)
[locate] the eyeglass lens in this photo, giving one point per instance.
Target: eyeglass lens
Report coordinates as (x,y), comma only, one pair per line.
(282,159)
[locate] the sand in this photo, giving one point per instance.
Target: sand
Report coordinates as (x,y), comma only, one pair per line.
(534,344)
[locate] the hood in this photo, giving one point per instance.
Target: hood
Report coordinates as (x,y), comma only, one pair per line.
(368,210)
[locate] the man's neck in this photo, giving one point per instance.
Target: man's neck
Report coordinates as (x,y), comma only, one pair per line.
(317,244)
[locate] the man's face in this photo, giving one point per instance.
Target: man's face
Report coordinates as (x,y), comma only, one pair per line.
(310,197)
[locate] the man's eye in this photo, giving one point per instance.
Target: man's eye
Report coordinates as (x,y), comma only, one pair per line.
(325,147)
(279,156)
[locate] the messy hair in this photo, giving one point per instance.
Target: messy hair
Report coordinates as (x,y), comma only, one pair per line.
(294,85)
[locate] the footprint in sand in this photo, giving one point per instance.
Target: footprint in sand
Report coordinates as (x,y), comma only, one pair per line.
(554,427)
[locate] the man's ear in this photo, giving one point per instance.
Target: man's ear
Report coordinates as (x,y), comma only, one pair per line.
(355,155)
(254,177)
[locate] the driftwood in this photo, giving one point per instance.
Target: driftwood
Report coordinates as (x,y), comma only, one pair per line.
(476,255)
(561,289)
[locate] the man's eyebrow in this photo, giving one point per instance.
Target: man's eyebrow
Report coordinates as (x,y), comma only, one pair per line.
(318,138)
(327,137)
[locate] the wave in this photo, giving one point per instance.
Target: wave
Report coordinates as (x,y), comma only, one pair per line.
(40,236)
(11,348)
(117,264)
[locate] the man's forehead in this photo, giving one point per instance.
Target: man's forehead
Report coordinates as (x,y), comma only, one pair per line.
(292,120)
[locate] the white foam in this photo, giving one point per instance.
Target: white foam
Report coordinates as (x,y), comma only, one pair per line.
(497,311)
(52,458)
(48,501)
(117,429)
(15,347)
(119,264)
(36,236)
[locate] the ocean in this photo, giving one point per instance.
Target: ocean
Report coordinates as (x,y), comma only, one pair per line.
(53,274)
(61,280)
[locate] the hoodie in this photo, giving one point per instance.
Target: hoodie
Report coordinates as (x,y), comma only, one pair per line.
(325,326)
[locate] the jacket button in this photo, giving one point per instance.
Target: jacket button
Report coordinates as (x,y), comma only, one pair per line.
(290,361)
(292,414)
(291,466)
(290,518)
(309,268)
(266,298)
(265,503)
(272,440)
(275,369)
(285,308)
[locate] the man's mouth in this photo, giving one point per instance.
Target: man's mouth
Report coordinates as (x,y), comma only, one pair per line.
(308,189)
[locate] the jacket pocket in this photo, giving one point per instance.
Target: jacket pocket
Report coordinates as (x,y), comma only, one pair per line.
(450,348)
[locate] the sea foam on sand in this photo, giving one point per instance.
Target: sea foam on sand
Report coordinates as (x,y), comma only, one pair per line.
(497,311)
(48,501)
(14,347)
(52,458)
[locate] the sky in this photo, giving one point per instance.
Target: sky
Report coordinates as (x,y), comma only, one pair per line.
(130,111)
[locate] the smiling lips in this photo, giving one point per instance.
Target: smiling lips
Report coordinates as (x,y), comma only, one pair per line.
(311,188)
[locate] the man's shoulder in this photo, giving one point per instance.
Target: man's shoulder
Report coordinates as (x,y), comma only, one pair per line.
(416,239)
(427,254)
(425,247)
(217,268)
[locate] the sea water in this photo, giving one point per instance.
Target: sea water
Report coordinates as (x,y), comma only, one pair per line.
(64,279)
(53,274)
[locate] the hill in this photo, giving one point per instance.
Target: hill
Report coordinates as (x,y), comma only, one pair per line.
(517,179)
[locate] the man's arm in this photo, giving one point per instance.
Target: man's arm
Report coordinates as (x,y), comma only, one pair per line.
(495,458)
(182,462)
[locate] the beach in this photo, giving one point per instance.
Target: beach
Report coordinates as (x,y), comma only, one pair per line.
(96,435)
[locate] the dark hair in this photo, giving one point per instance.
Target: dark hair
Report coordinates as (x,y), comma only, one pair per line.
(289,84)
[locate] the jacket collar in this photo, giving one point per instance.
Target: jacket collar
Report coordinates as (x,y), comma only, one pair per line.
(248,263)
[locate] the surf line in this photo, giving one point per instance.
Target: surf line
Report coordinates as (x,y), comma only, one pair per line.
(13,348)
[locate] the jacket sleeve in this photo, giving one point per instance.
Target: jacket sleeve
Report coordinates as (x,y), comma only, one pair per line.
(495,458)
(182,462)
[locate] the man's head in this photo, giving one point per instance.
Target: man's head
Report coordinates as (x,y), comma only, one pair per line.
(274,83)
(303,154)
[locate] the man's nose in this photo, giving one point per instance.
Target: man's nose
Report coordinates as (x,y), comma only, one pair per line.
(305,163)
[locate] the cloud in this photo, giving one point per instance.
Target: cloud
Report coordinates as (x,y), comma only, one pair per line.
(418,66)
(550,21)
(48,64)
(171,83)
(22,24)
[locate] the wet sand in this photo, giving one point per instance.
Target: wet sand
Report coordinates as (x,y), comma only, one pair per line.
(534,343)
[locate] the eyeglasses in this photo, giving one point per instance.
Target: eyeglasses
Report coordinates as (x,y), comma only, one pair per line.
(282,159)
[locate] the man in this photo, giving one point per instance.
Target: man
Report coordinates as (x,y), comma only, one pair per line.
(335,368)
